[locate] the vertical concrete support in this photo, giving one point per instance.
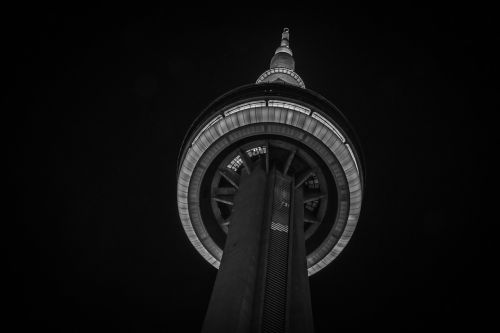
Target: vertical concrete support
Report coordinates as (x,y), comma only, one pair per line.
(231,304)
(262,284)
(300,317)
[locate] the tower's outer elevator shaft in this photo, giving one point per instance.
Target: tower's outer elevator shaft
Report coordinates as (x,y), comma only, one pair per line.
(262,283)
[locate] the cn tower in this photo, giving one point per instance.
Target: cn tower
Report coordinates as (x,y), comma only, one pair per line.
(269,189)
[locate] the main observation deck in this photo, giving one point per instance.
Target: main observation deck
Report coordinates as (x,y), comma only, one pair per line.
(290,127)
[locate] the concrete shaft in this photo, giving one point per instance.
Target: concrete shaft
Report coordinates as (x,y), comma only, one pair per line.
(262,283)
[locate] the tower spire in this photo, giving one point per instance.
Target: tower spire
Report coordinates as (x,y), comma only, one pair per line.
(285,36)
(285,42)
(282,66)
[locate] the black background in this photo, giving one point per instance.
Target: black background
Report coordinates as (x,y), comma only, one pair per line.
(101,97)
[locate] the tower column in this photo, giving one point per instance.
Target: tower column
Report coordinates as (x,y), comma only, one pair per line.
(230,307)
(299,301)
(262,283)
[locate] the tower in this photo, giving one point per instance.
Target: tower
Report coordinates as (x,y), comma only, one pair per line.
(269,191)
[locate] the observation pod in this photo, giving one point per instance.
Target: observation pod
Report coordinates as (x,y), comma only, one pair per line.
(270,186)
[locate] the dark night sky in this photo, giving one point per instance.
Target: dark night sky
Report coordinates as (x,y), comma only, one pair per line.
(98,104)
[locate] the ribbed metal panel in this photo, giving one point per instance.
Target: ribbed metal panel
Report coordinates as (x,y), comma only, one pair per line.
(275,295)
